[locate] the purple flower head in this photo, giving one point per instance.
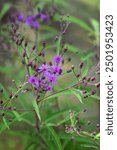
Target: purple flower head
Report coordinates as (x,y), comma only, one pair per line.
(21,17)
(57,70)
(31,22)
(44,17)
(33,80)
(58,59)
(52,79)
(44,68)
(35,25)
(49,88)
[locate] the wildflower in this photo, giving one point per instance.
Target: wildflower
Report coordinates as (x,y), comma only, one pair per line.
(21,17)
(31,22)
(52,78)
(57,69)
(44,68)
(49,88)
(33,80)
(44,17)
(57,59)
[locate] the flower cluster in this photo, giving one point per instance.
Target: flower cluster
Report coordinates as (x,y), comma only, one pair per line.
(47,75)
(32,20)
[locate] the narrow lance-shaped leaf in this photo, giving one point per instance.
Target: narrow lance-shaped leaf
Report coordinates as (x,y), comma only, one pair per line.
(55,138)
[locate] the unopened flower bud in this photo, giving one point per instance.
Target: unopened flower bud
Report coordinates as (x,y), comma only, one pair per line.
(93,78)
(93,92)
(81,65)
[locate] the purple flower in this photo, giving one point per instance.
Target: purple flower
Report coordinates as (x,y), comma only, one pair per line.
(58,59)
(44,17)
(35,25)
(31,22)
(21,17)
(57,69)
(49,88)
(44,68)
(52,78)
(33,80)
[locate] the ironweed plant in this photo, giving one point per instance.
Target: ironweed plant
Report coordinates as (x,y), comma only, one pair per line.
(33,98)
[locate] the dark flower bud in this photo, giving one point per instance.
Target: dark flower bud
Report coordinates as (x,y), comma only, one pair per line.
(85,96)
(63,61)
(23,62)
(98,85)
(35,66)
(24,53)
(69,59)
(84,78)
(9,107)
(11,95)
(50,63)
(68,71)
(93,92)
(93,78)
(72,67)
(1,90)
(1,102)
(40,54)
(34,47)
(56,38)
(65,49)
(84,110)
(16,96)
(3,114)
(89,122)
(88,79)
(30,64)
(81,65)
(26,43)
(44,43)
(22,39)
(78,75)
(84,92)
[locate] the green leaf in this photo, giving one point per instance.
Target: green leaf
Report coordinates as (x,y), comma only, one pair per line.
(4,10)
(72,48)
(76,21)
(97,136)
(5,122)
(55,138)
(36,108)
(55,115)
(78,94)
(86,55)
(89,146)
(95,25)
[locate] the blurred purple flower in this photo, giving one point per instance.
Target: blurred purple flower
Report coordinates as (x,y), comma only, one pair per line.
(31,22)
(21,17)
(44,17)
(58,59)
